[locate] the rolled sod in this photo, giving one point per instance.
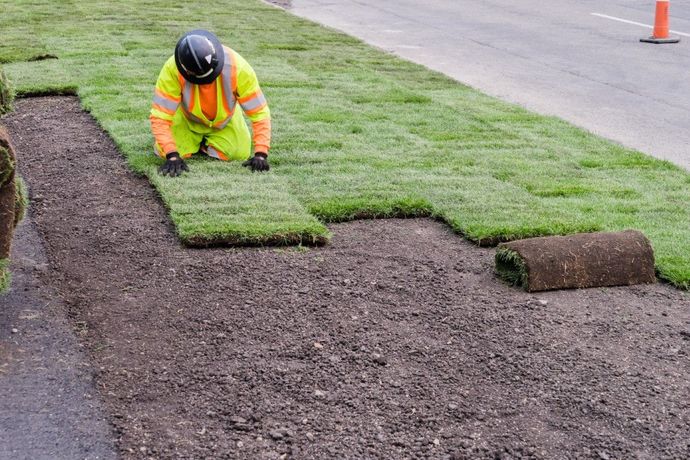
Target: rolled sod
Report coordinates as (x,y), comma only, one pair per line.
(8,204)
(21,199)
(577,261)
(6,94)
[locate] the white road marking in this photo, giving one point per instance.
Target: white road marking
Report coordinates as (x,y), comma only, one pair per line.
(613,18)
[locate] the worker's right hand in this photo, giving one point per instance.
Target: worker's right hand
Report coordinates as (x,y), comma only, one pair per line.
(174,165)
(259,162)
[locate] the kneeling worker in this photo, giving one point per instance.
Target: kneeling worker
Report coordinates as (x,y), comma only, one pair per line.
(195,102)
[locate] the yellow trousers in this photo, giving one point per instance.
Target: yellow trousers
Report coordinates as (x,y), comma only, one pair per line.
(230,143)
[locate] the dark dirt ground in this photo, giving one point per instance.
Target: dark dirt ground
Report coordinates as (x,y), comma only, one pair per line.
(395,341)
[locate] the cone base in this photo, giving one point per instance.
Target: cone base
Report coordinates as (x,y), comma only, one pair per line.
(660,40)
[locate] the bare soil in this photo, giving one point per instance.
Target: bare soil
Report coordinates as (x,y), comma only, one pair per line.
(395,341)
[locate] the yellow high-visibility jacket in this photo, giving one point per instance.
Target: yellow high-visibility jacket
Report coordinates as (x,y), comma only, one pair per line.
(211,105)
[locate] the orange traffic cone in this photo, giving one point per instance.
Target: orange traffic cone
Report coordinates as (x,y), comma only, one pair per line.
(660,34)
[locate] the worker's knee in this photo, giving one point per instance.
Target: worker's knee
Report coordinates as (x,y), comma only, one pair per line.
(227,154)
(214,152)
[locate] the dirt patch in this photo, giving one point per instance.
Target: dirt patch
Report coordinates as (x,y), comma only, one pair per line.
(42,57)
(394,341)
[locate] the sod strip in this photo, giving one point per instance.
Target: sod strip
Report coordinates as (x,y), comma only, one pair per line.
(577,261)
(357,133)
(255,210)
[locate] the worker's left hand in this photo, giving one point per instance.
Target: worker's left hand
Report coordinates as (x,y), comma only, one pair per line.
(258,163)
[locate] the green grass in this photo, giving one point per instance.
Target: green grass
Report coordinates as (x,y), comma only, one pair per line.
(357,133)
(21,201)
(6,94)
(511,267)
(5,275)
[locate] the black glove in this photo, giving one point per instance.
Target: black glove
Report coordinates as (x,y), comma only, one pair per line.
(174,165)
(258,163)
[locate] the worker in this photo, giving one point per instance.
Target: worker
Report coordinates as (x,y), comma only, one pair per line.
(195,106)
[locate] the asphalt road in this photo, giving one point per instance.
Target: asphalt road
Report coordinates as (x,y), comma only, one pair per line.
(49,408)
(555,57)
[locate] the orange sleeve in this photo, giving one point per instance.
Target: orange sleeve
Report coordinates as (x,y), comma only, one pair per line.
(162,132)
(262,135)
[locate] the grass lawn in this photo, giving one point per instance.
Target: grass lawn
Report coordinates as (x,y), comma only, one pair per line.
(357,133)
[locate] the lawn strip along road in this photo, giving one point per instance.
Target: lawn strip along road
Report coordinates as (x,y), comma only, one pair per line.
(357,133)
(396,341)
(555,57)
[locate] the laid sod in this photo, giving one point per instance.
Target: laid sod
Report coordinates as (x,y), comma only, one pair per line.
(357,133)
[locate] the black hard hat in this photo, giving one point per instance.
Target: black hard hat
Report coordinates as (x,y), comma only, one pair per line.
(199,57)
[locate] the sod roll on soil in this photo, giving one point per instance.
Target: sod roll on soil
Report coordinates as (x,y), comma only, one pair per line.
(6,94)
(577,261)
(10,204)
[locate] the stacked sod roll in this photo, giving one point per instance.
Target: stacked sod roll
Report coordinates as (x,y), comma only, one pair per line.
(6,94)
(12,190)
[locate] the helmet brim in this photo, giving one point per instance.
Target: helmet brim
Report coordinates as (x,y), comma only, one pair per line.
(220,56)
